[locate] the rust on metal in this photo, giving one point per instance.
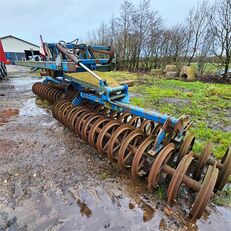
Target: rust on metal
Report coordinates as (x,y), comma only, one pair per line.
(202,160)
(205,192)
(178,175)
(156,169)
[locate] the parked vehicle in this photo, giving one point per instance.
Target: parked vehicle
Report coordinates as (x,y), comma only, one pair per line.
(3,61)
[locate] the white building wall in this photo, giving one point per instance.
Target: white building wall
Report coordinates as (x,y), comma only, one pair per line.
(14,45)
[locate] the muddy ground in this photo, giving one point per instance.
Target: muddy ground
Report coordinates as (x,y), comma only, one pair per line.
(214,79)
(50,180)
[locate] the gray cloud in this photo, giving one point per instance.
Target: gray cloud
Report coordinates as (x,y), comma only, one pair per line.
(70,19)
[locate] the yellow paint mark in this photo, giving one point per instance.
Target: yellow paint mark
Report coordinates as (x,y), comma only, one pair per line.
(89,79)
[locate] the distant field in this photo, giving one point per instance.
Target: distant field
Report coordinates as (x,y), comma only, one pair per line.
(208,105)
(209,68)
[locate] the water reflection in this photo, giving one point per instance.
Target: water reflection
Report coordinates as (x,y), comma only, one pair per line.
(22,84)
(30,108)
(148,211)
(131,206)
(84,209)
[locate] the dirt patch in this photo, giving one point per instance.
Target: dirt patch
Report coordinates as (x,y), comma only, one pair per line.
(224,124)
(175,101)
(5,115)
(213,79)
(135,95)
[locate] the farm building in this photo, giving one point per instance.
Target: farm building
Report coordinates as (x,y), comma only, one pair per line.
(16,48)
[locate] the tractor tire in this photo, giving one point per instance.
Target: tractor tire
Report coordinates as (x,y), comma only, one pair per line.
(4,68)
(2,71)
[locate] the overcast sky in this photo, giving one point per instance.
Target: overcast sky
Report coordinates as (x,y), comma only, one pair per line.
(67,20)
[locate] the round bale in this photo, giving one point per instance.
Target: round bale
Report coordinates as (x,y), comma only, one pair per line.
(157,72)
(170,68)
(188,73)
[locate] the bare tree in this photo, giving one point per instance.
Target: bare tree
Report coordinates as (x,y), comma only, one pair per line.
(142,22)
(112,30)
(177,42)
(221,32)
(142,42)
(151,48)
(125,23)
(197,22)
(149,25)
(205,51)
(100,35)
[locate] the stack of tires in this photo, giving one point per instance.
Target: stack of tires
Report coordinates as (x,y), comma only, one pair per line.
(3,71)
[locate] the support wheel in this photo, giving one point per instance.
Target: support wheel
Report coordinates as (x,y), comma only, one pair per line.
(186,147)
(225,172)
(129,147)
(156,169)
(204,156)
(140,165)
(178,175)
(116,140)
(205,192)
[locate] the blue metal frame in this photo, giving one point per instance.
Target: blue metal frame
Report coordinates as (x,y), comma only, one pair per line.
(86,56)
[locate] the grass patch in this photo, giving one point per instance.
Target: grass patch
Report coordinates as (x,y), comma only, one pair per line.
(208,105)
(104,175)
(42,103)
(161,192)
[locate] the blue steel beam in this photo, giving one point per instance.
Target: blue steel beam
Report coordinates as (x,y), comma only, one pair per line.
(74,46)
(122,107)
(65,66)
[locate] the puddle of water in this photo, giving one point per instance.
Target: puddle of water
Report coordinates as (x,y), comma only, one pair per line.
(29,108)
(217,220)
(25,83)
(81,209)
(117,209)
(95,208)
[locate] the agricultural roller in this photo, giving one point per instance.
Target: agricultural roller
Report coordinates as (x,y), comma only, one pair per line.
(96,108)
